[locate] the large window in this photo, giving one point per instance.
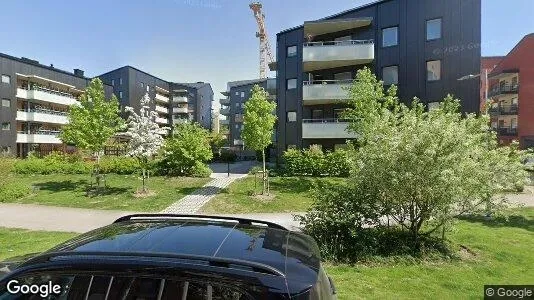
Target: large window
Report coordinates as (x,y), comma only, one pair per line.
(291,116)
(6,79)
(390,75)
(317,114)
(6,126)
(291,51)
(120,81)
(433,70)
(120,95)
(292,84)
(113,82)
(390,36)
(433,29)
(343,76)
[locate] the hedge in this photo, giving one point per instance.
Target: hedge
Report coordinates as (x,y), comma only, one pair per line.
(313,162)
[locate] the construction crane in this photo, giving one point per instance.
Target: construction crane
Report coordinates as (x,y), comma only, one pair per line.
(266,56)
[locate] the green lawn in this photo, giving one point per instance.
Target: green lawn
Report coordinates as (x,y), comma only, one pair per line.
(291,194)
(15,242)
(70,190)
(504,254)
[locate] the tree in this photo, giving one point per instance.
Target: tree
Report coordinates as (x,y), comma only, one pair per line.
(187,151)
(258,121)
(93,122)
(426,167)
(217,141)
(146,137)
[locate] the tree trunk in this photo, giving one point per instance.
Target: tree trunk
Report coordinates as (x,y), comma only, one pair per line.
(144,176)
(264,173)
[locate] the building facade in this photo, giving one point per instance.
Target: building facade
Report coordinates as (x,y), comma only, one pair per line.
(232,107)
(35,100)
(487,64)
(174,102)
(422,46)
(511,94)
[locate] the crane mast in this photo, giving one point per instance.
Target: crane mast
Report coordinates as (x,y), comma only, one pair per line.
(266,56)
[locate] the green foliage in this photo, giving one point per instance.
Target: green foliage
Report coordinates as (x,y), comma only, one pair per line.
(423,168)
(200,170)
(6,165)
(13,191)
(185,150)
(122,165)
(94,121)
(217,141)
(54,163)
(258,120)
(313,162)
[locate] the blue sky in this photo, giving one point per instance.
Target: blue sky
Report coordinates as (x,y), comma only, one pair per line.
(191,40)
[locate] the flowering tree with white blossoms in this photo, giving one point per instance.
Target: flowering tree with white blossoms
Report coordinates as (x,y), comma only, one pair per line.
(146,137)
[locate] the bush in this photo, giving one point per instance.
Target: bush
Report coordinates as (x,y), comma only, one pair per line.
(54,163)
(200,170)
(7,165)
(313,162)
(122,165)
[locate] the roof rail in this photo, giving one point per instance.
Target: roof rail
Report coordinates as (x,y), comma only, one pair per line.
(243,221)
(213,261)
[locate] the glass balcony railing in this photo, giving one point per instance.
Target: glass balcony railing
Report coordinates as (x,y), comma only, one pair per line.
(326,129)
(504,89)
(334,54)
(504,110)
(506,131)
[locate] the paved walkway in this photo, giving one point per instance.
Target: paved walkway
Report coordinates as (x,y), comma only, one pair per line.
(223,175)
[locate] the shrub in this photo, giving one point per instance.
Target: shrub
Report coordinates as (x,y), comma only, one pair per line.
(313,162)
(7,165)
(122,165)
(337,163)
(200,170)
(54,163)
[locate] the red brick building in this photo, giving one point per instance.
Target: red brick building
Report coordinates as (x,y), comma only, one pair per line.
(511,93)
(487,64)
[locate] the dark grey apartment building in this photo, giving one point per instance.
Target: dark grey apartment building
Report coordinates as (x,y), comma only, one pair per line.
(174,102)
(422,46)
(232,107)
(34,102)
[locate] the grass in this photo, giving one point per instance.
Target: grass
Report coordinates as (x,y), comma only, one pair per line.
(291,194)
(15,242)
(70,191)
(502,254)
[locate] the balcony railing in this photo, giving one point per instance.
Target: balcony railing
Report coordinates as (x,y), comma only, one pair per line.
(180,110)
(39,137)
(504,89)
(179,99)
(225,111)
(333,54)
(42,116)
(504,110)
(46,95)
(162,98)
(325,91)
(506,131)
(225,101)
(326,129)
(160,120)
(162,109)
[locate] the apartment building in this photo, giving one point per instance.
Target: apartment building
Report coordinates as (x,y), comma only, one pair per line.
(487,64)
(422,46)
(174,102)
(35,100)
(232,107)
(511,94)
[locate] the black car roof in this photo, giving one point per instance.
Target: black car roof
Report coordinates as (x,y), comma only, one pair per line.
(292,254)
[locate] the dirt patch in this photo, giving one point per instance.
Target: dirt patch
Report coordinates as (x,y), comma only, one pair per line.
(466,253)
(265,198)
(146,194)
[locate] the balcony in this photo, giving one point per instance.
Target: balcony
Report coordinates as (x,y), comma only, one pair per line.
(504,90)
(180,110)
(161,120)
(335,54)
(39,137)
(326,129)
(325,91)
(161,98)
(162,109)
(179,99)
(45,95)
(225,111)
(507,131)
(225,101)
(503,110)
(224,122)
(42,116)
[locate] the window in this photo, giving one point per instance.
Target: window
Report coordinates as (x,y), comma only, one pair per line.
(236,126)
(6,79)
(120,81)
(291,116)
(147,88)
(390,36)
(433,70)
(113,82)
(343,76)
(142,85)
(317,114)
(120,95)
(291,51)
(6,126)
(343,38)
(513,123)
(291,146)
(6,103)
(237,93)
(292,84)
(237,105)
(242,94)
(433,105)
(433,29)
(390,75)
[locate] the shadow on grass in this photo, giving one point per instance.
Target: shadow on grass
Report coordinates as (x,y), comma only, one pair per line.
(293,184)
(62,186)
(188,190)
(514,221)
